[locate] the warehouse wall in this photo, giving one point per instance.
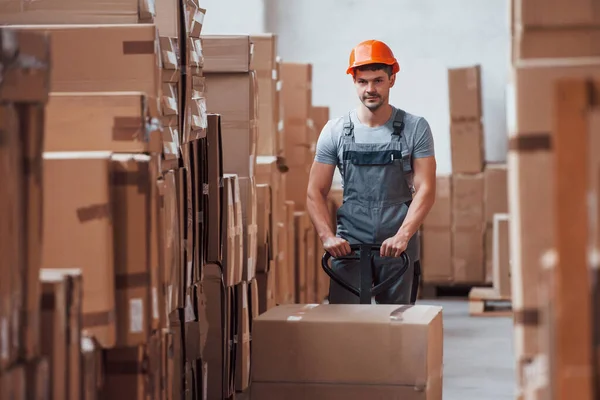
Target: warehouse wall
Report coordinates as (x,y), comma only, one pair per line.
(427,36)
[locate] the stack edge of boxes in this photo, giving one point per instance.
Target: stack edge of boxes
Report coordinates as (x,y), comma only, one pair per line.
(548,44)
(26,68)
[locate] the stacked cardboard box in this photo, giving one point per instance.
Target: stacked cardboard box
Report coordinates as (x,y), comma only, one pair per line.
(548,44)
(26,68)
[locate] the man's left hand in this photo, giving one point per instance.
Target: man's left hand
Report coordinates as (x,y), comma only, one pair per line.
(393,247)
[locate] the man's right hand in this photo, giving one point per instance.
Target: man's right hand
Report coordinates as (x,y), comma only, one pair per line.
(337,247)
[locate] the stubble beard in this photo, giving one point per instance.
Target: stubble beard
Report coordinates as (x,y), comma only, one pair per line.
(372,106)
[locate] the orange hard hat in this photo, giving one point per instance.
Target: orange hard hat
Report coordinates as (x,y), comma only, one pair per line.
(372,52)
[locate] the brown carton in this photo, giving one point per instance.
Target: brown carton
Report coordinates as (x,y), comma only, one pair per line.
(501,255)
(195,117)
(19,50)
(79,231)
(467,201)
(466,144)
(215,188)
(242,356)
(436,254)
(130,192)
(38,379)
(249,227)
(110,58)
(97,122)
(496,191)
(74,12)
(126,373)
(298,348)
(264,63)
(91,355)
(297,192)
(555,13)
(464,88)
(13,383)
(193,18)
(299,257)
(263,224)
(441,213)
(565,42)
(170,58)
(226,53)
(468,255)
(238,118)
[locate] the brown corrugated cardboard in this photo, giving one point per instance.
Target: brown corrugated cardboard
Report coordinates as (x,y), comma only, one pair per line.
(263,62)
(240,238)
(468,255)
(299,257)
(194,18)
(297,192)
(441,213)
(299,349)
(464,88)
(215,189)
(200,204)
(21,83)
(78,231)
(130,193)
(311,263)
(216,344)
(126,373)
(92,373)
(296,93)
(242,355)
(496,191)
(37,379)
(436,254)
(466,146)
(195,122)
(189,216)
(226,53)
(173,264)
(556,13)
(238,119)
(557,43)
(501,255)
(267,289)
(195,56)
(169,99)
(97,122)
(157,299)
(263,224)
(489,253)
(75,12)
(290,252)
(232,232)
(319,116)
(170,59)
(62,295)
(467,201)
(111,57)
(13,384)
(11,232)
(249,227)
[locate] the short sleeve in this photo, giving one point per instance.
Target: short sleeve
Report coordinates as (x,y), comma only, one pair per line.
(424,146)
(326,151)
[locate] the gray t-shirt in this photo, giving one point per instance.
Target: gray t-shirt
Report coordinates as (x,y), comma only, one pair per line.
(416,130)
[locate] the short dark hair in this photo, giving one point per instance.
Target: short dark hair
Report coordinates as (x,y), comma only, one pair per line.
(375,67)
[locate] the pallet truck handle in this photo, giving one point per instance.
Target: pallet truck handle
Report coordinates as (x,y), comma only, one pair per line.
(365,256)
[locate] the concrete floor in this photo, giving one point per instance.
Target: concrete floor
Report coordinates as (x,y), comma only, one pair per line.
(478,354)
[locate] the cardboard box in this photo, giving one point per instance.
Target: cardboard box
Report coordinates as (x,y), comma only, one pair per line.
(37,374)
(249,227)
(215,189)
(297,192)
(193,18)
(111,58)
(464,89)
(13,383)
(436,254)
(167,19)
(242,355)
(195,116)
(130,193)
(468,255)
(467,201)
(264,64)
(79,231)
(440,214)
(21,83)
(227,53)
(232,231)
(496,191)
(542,14)
(91,356)
(238,118)
(264,232)
(98,122)
(170,59)
(266,283)
(567,42)
(489,253)
(126,373)
(298,348)
(299,257)
(467,147)
(501,255)
(74,12)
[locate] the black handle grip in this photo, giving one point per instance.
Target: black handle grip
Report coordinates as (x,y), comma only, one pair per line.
(362,248)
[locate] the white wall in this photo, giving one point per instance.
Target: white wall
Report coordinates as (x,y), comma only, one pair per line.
(427,37)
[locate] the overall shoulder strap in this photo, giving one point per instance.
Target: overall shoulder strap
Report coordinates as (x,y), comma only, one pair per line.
(399,122)
(401,137)
(348,125)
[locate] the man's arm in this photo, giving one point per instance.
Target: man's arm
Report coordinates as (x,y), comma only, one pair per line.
(319,184)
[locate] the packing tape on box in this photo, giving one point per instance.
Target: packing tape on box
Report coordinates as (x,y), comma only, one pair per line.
(133,280)
(100,318)
(299,315)
(138,47)
(529,143)
(93,212)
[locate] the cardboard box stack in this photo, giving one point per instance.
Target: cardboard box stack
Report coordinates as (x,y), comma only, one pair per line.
(549,44)
(26,68)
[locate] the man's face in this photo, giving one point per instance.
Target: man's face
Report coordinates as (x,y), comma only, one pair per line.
(373,87)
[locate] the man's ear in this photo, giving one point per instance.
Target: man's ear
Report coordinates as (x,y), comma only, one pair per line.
(392,80)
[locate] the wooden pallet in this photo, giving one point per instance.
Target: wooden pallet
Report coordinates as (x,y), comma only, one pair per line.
(485,302)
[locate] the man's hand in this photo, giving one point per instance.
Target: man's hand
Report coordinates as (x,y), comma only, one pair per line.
(337,247)
(394,246)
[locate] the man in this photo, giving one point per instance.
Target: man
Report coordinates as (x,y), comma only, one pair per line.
(387,162)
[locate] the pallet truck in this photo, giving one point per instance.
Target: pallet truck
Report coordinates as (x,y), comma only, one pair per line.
(365,256)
